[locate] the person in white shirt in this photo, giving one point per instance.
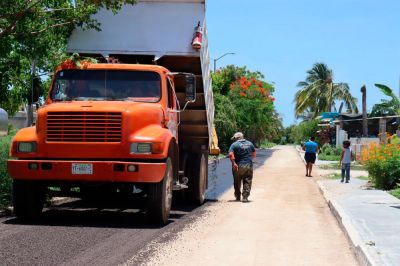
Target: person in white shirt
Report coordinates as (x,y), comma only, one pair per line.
(345,160)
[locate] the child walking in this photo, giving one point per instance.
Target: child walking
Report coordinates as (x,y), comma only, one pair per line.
(345,160)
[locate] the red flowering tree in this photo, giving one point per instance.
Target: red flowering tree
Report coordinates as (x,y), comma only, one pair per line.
(244,102)
(253,99)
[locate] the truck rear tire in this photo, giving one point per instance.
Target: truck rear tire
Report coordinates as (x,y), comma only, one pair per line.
(198,178)
(28,199)
(160,196)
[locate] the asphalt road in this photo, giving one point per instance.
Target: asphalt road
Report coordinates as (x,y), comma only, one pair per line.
(75,234)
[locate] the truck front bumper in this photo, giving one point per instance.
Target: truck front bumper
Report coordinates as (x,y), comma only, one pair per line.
(96,171)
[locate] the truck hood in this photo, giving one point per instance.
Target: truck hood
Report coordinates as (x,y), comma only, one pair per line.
(98,106)
(57,141)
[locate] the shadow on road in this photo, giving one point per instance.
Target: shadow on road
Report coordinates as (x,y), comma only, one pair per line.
(117,214)
(220,176)
(83,214)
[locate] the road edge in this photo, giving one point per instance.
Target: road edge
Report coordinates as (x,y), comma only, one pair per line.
(360,250)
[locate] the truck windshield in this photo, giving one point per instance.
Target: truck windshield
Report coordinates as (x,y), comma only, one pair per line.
(106,85)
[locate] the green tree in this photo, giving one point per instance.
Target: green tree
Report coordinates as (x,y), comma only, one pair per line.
(319,93)
(386,107)
(224,77)
(244,102)
(224,120)
(304,131)
(36,31)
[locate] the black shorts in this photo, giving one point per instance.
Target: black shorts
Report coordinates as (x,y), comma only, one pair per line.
(310,157)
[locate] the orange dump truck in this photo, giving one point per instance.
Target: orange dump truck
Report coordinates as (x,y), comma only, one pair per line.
(138,122)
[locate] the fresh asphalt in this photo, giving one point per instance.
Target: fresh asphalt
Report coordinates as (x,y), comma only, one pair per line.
(78,234)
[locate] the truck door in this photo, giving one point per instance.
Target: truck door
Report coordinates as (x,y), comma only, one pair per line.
(172,114)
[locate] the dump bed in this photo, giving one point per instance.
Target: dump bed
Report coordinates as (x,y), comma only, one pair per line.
(159,32)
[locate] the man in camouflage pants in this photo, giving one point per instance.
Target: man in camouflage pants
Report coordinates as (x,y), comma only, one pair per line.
(241,154)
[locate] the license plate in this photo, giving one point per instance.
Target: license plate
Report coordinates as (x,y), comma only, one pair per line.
(82,168)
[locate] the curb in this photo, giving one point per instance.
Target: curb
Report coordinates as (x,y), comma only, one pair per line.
(360,250)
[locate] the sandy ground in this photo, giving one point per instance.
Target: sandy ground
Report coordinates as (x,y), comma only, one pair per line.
(287,222)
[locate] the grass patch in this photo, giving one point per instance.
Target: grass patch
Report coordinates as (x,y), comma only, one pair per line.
(339,176)
(395,192)
(220,156)
(336,166)
(326,157)
(335,176)
(5,179)
(267,145)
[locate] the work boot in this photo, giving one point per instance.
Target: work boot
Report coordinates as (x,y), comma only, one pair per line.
(245,200)
(237,198)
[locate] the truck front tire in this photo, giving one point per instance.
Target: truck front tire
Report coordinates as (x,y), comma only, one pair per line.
(160,196)
(28,199)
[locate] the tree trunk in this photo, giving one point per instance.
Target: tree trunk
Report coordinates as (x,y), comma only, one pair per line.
(364,111)
(29,115)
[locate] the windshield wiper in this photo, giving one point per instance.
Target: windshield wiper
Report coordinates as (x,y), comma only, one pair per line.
(66,99)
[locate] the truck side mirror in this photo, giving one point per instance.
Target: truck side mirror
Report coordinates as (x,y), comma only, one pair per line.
(190,87)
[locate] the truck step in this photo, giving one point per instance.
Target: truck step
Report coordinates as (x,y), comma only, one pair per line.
(179,187)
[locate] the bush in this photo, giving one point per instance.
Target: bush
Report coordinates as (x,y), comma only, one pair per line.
(327,149)
(5,180)
(383,164)
(396,192)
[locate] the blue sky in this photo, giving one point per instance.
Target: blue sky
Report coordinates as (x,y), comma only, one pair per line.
(358,39)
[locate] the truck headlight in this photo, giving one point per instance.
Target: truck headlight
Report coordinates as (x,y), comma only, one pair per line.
(26,147)
(147,147)
(140,147)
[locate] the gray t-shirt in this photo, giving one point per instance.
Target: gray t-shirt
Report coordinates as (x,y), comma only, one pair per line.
(346,156)
(242,149)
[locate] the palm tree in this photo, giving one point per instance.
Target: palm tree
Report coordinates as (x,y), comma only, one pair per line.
(319,93)
(386,107)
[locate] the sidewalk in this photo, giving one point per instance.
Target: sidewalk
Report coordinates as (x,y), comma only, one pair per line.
(370,218)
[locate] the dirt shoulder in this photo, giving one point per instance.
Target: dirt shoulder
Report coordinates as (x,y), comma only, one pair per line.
(287,222)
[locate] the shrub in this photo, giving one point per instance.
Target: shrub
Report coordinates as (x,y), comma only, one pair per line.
(5,180)
(326,149)
(329,153)
(383,164)
(396,192)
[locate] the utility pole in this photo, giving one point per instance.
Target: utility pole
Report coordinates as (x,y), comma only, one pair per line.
(364,111)
(29,111)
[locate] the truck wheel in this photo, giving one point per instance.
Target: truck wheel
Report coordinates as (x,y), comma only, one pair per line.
(28,199)
(198,178)
(160,196)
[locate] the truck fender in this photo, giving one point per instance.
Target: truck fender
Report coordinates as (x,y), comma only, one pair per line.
(154,133)
(24,134)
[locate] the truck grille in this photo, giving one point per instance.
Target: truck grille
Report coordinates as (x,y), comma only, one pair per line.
(84,127)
